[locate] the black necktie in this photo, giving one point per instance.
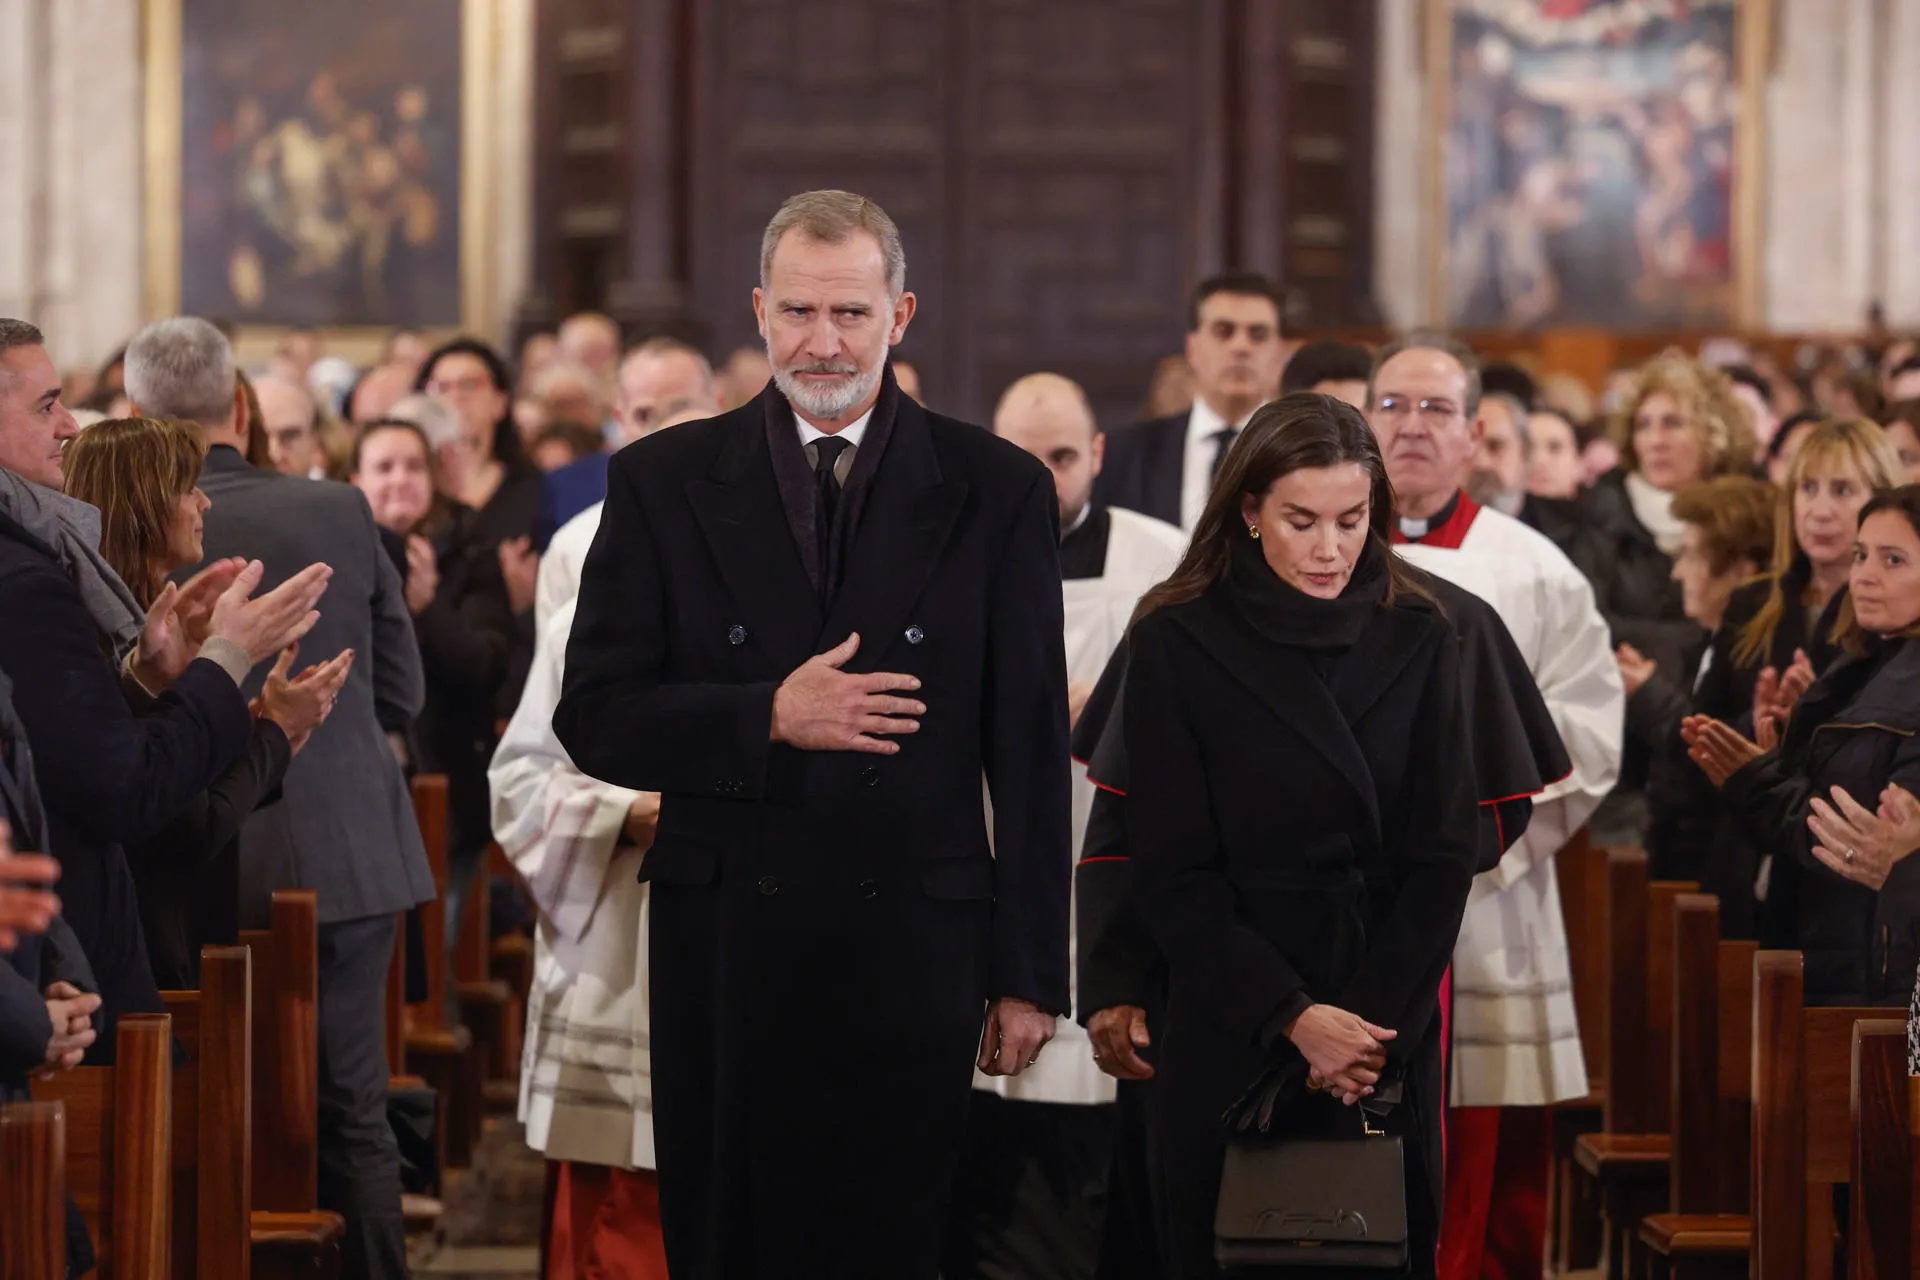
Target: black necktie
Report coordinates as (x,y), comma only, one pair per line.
(826,484)
(1222,441)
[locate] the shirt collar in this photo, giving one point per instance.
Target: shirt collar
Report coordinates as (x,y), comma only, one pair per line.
(852,433)
(1203,423)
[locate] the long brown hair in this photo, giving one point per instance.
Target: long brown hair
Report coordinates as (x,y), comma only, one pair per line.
(1297,432)
(1859,444)
(135,470)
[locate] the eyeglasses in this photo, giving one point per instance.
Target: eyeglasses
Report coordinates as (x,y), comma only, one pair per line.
(1435,411)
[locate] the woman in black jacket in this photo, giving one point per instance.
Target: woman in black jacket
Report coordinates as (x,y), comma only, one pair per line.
(144,475)
(1301,815)
(1854,734)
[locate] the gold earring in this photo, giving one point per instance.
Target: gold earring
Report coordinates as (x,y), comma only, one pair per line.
(1253,531)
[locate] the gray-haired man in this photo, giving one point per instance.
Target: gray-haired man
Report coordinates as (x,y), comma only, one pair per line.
(344,826)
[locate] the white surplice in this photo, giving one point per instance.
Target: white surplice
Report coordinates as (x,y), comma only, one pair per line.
(585,1078)
(1141,553)
(1516,1042)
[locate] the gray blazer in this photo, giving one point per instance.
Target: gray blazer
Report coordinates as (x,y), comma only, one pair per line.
(344,826)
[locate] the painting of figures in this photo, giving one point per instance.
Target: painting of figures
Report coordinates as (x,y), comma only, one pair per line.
(320,161)
(1589,163)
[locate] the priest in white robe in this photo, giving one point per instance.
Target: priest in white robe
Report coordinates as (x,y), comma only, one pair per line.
(1031,1186)
(1516,1043)
(585,1091)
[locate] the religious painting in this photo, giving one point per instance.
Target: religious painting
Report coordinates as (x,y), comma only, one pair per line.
(1597,162)
(316,161)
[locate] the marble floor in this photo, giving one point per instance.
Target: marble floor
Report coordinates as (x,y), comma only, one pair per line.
(491,1228)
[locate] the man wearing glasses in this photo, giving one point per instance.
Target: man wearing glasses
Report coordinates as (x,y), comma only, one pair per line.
(1515,1043)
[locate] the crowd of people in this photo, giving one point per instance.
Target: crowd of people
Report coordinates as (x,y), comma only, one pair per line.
(1285,698)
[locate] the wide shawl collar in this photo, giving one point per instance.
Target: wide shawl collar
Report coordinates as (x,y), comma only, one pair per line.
(908,510)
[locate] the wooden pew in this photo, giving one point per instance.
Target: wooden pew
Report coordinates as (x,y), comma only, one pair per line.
(33,1212)
(488,1006)
(118,1145)
(1581,868)
(1881,1187)
(213,1119)
(440,1054)
(1712,1104)
(1626,1164)
(290,1234)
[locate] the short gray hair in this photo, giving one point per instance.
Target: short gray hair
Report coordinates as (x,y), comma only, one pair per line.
(1518,411)
(1432,340)
(181,368)
(831,217)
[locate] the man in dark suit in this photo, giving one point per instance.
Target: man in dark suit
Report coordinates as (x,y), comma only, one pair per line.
(659,379)
(344,826)
(813,624)
(1165,466)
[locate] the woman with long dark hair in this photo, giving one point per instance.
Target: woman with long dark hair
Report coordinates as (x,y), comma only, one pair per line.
(1301,815)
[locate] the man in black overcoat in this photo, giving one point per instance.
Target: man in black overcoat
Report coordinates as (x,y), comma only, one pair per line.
(814,625)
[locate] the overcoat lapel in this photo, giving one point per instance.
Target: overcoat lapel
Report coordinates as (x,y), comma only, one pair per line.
(910,510)
(744,521)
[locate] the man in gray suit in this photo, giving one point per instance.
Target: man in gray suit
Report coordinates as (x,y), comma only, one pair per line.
(344,826)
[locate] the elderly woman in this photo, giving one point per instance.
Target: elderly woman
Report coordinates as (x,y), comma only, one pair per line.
(144,477)
(1853,735)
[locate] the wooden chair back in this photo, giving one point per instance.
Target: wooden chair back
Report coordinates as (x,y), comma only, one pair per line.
(33,1212)
(1656,1046)
(1581,868)
(1881,1197)
(1711,1095)
(1802,1128)
(286,1054)
(213,1118)
(118,1134)
(1626,951)
(430,811)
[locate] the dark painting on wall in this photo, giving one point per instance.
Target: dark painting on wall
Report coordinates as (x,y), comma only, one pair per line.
(320,161)
(1590,163)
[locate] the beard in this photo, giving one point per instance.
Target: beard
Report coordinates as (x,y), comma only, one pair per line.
(831,402)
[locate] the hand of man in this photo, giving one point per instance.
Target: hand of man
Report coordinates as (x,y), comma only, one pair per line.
(1117,1034)
(643,819)
(1016,1031)
(822,708)
(70,1010)
(27,904)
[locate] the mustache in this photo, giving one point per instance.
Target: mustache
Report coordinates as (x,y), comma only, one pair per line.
(827,366)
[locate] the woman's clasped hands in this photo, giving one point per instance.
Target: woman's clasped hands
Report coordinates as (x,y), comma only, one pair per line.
(1345,1053)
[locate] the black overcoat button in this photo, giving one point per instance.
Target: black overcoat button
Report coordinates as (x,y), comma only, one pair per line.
(869,888)
(870,775)
(915,635)
(736,634)
(768,886)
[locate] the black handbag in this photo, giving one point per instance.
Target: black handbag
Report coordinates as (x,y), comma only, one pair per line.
(1323,1198)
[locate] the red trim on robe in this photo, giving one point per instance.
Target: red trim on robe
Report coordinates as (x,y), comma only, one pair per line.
(1103,786)
(1105,857)
(1450,535)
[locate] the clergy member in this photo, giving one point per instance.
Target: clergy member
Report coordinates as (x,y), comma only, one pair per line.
(1032,1183)
(585,1095)
(1516,1042)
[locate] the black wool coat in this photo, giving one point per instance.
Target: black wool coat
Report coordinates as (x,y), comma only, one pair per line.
(1857,728)
(1293,841)
(827,927)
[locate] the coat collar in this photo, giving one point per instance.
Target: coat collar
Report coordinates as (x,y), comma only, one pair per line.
(909,510)
(1890,696)
(1282,678)
(224,459)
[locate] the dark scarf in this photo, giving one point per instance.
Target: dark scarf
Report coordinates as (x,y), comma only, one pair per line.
(1287,615)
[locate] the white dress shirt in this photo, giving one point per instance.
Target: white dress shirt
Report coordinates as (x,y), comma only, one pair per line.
(853,433)
(1196,469)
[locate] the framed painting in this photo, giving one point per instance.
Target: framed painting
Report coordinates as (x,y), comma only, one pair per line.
(319,166)
(1596,163)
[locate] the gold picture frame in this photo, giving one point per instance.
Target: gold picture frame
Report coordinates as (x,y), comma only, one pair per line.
(1751,65)
(482,306)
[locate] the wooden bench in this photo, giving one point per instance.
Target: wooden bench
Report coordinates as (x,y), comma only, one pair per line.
(115,1128)
(213,1119)
(489,1008)
(1881,1186)
(1581,868)
(440,1054)
(1711,1104)
(291,1235)
(33,1212)
(1626,1164)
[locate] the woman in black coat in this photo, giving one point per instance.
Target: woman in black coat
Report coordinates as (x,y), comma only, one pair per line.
(1301,814)
(1852,736)
(143,475)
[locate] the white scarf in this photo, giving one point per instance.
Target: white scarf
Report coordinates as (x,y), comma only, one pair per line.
(1654,509)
